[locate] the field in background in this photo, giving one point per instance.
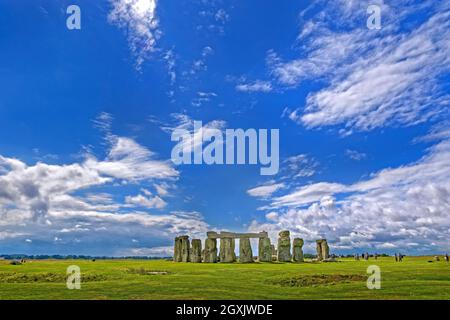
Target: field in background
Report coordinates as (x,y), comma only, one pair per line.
(414,278)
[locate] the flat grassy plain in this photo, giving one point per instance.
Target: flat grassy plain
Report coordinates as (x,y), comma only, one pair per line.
(414,278)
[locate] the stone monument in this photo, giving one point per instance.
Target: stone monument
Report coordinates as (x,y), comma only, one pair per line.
(298,250)
(210,252)
(245,251)
(264,250)
(284,246)
(196,252)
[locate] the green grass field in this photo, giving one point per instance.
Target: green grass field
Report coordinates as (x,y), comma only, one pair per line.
(414,278)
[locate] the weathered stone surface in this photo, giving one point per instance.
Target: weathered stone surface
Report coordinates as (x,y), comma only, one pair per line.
(325,249)
(227,246)
(210,251)
(245,251)
(298,250)
(319,250)
(185,249)
(284,246)
(284,234)
(265,250)
(196,252)
(274,250)
(177,250)
(274,253)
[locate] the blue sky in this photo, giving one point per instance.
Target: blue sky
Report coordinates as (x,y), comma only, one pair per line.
(86,117)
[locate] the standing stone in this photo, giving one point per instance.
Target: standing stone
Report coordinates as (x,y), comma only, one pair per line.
(177,250)
(196,253)
(274,251)
(319,250)
(210,252)
(298,250)
(227,250)
(245,251)
(265,250)
(185,249)
(284,246)
(325,249)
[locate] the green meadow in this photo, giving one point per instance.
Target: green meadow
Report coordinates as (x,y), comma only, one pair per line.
(414,278)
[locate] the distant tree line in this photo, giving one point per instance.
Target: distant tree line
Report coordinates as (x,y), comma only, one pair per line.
(72,257)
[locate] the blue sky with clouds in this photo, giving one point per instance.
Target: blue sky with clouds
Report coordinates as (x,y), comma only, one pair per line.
(86,118)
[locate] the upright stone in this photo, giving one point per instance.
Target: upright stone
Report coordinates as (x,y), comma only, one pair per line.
(284,246)
(264,250)
(210,252)
(196,253)
(185,249)
(245,251)
(325,249)
(319,250)
(298,250)
(274,251)
(177,250)
(227,250)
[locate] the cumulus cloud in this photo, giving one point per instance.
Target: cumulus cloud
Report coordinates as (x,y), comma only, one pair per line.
(57,207)
(396,208)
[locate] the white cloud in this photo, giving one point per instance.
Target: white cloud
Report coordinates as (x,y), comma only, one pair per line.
(373,79)
(203,97)
(43,202)
(299,166)
(130,161)
(161,190)
(257,86)
(399,206)
(166,251)
(138,19)
(272,216)
(355,155)
(183,121)
(140,200)
(221,16)
(169,58)
(266,190)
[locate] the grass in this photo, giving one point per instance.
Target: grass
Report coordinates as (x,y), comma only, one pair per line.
(414,278)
